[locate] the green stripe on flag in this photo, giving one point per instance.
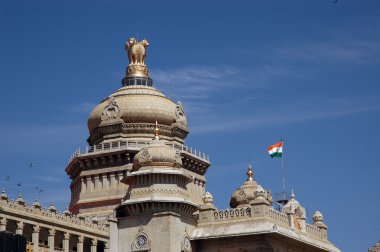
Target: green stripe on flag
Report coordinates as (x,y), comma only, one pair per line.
(276,154)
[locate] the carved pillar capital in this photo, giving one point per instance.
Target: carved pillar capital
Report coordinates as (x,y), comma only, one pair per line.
(3,221)
(20,227)
(66,235)
(106,245)
(51,231)
(80,239)
(94,242)
(36,228)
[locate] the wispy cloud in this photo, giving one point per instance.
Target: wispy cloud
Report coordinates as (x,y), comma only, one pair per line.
(332,52)
(81,108)
(194,82)
(272,118)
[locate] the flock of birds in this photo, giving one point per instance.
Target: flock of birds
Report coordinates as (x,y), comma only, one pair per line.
(19,184)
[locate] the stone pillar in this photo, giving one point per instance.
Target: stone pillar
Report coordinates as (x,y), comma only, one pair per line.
(94,242)
(113,245)
(88,184)
(3,224)
(112,180)
(291,219)
(66,239)
(80,243)
(318,222)
(51,239)
(97,183)
(106,183)
(20,227)
(35,237)
(207,210)
(83,185)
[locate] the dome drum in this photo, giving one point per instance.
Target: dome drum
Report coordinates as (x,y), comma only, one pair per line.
(115,129)
(137,81)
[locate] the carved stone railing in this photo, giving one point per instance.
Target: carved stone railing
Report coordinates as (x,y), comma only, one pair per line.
(232,214)
(314,231)
(122,145)
(279,217)
(51,215)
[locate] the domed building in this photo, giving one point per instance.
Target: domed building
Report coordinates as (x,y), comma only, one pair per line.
(139,187)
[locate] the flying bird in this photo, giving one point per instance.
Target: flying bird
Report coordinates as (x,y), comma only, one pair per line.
(18,184)
(31,164)
(7,178)
(40,191)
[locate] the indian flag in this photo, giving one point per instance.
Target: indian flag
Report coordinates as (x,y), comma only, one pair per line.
(275,150)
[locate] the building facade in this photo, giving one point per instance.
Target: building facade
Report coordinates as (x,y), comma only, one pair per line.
(139,187)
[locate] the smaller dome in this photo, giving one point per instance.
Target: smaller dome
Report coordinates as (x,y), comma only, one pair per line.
(157,153)
(249,191)
(294,207)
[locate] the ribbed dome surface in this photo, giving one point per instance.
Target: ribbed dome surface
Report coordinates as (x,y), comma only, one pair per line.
(157,153)
(248,192)
(137,107)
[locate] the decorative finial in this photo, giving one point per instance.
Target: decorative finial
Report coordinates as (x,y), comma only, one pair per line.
(292,196)
(136,54)
(36,203)
(3,195)
(67,212)
(249,173)
(156,132)
(52,207)
(20,200)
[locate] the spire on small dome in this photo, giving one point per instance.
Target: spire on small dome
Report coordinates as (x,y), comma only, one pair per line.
(20,200)
(249,173)
(52,207)
(36,203)
(156,132)
(3,195)
(292,196)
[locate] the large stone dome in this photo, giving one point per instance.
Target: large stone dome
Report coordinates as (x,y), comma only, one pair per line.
(137,106)
(132,111)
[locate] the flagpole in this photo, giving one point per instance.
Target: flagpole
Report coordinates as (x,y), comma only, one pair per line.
(282,169)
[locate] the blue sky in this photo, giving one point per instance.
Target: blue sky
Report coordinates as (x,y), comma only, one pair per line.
(248,73)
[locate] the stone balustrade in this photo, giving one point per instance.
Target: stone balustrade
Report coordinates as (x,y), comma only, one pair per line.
(279,217)
(247,213)
(314,231)
(232,214)
(49,230)
(136,145)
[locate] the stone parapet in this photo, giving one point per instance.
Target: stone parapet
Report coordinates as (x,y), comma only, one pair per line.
(134,145)
(253,213)
(50,217)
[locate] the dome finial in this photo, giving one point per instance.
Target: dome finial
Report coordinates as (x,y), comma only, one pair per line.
(156,132)
(136,54)
(249,173)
